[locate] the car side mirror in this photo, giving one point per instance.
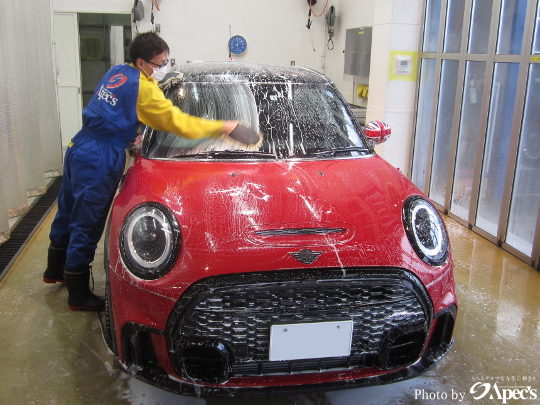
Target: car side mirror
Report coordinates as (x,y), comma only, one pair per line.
(377,132)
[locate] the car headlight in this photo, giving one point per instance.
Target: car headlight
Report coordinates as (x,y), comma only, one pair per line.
(149,241)
(425,230)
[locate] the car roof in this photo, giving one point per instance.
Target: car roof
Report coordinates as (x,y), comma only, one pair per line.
(242,72)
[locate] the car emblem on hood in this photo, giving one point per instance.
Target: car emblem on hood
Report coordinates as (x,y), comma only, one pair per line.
(306,256)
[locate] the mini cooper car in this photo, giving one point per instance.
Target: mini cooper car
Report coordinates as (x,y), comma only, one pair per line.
(307,264)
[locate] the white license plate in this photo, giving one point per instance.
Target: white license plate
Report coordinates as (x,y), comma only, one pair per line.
(310,340)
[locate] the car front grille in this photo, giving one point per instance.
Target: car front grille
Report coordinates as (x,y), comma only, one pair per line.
(390,310)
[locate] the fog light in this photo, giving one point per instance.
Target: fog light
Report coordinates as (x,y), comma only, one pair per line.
(206,360)
(402,347)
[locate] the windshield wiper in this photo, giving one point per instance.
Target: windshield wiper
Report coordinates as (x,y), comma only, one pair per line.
(229,154)
(331,152)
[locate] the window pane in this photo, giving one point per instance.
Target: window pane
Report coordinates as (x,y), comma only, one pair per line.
(468,138)
(526,192)
(501,110)
(536,41)
(511,27)
(443,130)
(454,25)
(431,30)
(480,24)
(426,104)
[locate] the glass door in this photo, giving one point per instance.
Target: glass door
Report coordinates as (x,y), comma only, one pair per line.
(469,128)
(523,219)
(497,147)
(477,129)
(443,130)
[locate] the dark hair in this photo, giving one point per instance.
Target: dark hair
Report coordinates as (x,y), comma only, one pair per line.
(147,45)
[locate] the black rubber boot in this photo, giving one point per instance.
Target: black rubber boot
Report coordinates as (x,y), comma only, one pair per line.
(56,260)
(80,297)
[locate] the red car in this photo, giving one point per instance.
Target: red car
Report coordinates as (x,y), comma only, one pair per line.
(309,264)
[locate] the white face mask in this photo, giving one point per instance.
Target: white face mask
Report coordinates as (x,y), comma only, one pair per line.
(158,73)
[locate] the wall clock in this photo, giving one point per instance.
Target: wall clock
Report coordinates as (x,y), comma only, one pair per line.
(237,45)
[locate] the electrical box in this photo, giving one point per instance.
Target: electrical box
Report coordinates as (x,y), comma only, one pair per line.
(358,52)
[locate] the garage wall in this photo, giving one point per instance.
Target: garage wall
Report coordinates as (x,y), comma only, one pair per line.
(396,33)
(275,30)
(349,14)
(276,33)
(199,30)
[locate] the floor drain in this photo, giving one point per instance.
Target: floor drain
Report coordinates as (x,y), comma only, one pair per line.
(25,228)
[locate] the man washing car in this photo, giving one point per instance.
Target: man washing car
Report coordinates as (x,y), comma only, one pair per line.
(126,98)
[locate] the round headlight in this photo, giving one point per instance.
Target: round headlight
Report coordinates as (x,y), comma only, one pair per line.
(425,230)
(149,241)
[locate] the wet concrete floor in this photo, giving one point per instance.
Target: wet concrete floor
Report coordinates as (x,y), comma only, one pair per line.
(51,355)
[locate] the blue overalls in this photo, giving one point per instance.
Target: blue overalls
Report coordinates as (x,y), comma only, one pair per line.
(94,164)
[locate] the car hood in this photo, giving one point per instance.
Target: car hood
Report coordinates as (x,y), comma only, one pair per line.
(259,215)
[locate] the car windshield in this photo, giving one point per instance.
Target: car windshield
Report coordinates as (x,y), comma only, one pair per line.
(300,120)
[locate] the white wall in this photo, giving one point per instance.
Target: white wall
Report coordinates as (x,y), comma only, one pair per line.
(349,14)
(397,27)
(94,6)
(199,29)
(275,30)
(276,33)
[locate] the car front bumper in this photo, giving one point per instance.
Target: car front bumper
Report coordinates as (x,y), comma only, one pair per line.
(227,318)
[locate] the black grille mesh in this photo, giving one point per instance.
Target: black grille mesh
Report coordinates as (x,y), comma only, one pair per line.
(240,315)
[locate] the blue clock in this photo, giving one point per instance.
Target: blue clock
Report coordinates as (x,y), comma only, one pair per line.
(237,45)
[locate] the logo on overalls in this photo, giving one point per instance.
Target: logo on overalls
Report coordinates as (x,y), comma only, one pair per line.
(104,94)
(117,80)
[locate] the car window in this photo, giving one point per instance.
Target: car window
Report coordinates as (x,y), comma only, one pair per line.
(295,120)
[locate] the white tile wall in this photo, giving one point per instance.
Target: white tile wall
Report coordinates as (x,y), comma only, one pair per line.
(383,12)
(400,95)
(397,149)
(396,27)
(378,72)
(407,12)
(405,37)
